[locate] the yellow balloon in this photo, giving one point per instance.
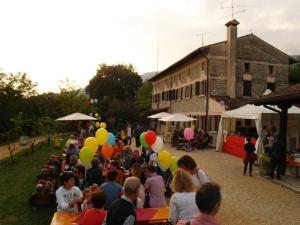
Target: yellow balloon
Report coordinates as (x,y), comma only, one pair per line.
(164,158)
(86,155)
(102,136)
(97,124)
(103,125)
(96,115)
(91,143)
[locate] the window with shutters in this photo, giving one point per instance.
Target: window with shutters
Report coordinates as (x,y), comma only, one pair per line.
(270,70)
(187,91)
(246,67)
(191,91)
(173,95)
(163,96)
(247,88)
(181,93)
(170,95)
(176,94)
(197,88)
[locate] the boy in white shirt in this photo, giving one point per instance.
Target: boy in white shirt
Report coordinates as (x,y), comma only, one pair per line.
(68,196)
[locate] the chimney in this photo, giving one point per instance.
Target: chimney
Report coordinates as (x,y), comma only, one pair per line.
(231,57)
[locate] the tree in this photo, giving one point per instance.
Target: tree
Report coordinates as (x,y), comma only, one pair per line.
(144,96)
(115,87)
(14,90)
(294,71)
(115,81)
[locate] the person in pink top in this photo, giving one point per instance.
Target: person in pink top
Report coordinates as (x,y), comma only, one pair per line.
(155,188)
(208,200)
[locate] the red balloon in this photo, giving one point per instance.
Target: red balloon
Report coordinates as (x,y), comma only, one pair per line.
(107,151)
(150,137)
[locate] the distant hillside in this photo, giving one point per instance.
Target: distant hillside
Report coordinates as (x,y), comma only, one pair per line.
(147,76)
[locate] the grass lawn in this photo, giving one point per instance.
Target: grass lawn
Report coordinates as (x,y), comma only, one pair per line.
(17,181)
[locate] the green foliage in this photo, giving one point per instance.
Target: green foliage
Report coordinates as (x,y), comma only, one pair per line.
(15,89)
(116,87)
(144,96)
(24,112)
(19,179)
(294,71)
(115,81)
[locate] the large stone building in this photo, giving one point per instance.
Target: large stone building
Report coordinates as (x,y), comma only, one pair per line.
(230,72)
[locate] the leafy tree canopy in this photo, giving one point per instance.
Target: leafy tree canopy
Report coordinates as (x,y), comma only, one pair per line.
(115,82)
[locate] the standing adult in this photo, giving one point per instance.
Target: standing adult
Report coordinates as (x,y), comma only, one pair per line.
(136,158)
(249,158)
(155,188)
(112,189)
(137,132)
(122,211)
(94,174)
(276,158)
(68,196)
(128,134)
(182,204)
(199,177)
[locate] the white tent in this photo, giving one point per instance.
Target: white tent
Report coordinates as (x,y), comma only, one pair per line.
(250,112)
(177,117)
(159,115)
(76,116)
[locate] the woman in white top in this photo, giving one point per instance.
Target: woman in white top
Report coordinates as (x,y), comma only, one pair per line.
(198,175)
(182,204)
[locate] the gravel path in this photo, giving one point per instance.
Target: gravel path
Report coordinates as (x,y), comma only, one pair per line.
(246,200)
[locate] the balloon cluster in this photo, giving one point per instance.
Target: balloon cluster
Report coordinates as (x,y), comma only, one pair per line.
(164,160)
(91,145)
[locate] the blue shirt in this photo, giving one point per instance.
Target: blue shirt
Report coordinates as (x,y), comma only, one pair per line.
(113,191)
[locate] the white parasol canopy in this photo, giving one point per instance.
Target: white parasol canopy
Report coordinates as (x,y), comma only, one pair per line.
(76,116)
(177,117)
(159,115)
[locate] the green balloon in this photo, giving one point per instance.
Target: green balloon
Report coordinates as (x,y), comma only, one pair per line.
(173,165)
(142,140)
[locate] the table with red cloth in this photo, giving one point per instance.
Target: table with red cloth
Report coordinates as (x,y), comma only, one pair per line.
(234,145)
(144,216)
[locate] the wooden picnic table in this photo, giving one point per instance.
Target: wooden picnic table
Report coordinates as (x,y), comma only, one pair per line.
(144,216)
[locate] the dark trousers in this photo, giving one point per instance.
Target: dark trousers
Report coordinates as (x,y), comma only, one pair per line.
(275,165)
(250,167)
(137,141)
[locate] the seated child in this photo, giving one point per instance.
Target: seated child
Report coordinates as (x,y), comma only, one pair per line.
(68,195)
(95,215)
(208,200)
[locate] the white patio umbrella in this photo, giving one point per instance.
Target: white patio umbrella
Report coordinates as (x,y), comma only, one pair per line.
(159,115)
(177,117)
(76,116)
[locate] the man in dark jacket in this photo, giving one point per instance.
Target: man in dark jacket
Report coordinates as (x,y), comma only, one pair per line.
(276,157)
(122,210)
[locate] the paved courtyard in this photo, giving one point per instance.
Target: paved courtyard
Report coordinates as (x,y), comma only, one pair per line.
(246,200)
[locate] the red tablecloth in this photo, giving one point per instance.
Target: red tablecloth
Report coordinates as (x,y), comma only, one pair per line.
(234,145)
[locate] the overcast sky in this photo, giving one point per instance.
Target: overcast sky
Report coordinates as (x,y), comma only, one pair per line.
(52,40)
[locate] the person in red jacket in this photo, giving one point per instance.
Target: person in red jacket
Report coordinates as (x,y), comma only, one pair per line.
(95,215)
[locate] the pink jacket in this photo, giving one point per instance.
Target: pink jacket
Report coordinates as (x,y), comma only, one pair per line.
(201,219)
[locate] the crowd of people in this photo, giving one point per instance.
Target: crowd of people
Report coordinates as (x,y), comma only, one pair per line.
(109,190)
(273,148)
(201,139)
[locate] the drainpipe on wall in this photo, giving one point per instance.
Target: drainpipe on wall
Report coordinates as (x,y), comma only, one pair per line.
(207,94)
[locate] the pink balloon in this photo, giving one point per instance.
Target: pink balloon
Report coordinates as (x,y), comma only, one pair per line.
(188,133)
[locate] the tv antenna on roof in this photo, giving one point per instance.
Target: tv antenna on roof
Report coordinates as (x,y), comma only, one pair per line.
(202,36)
(229,4)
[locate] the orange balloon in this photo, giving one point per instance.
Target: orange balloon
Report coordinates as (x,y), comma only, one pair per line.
(107,151)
